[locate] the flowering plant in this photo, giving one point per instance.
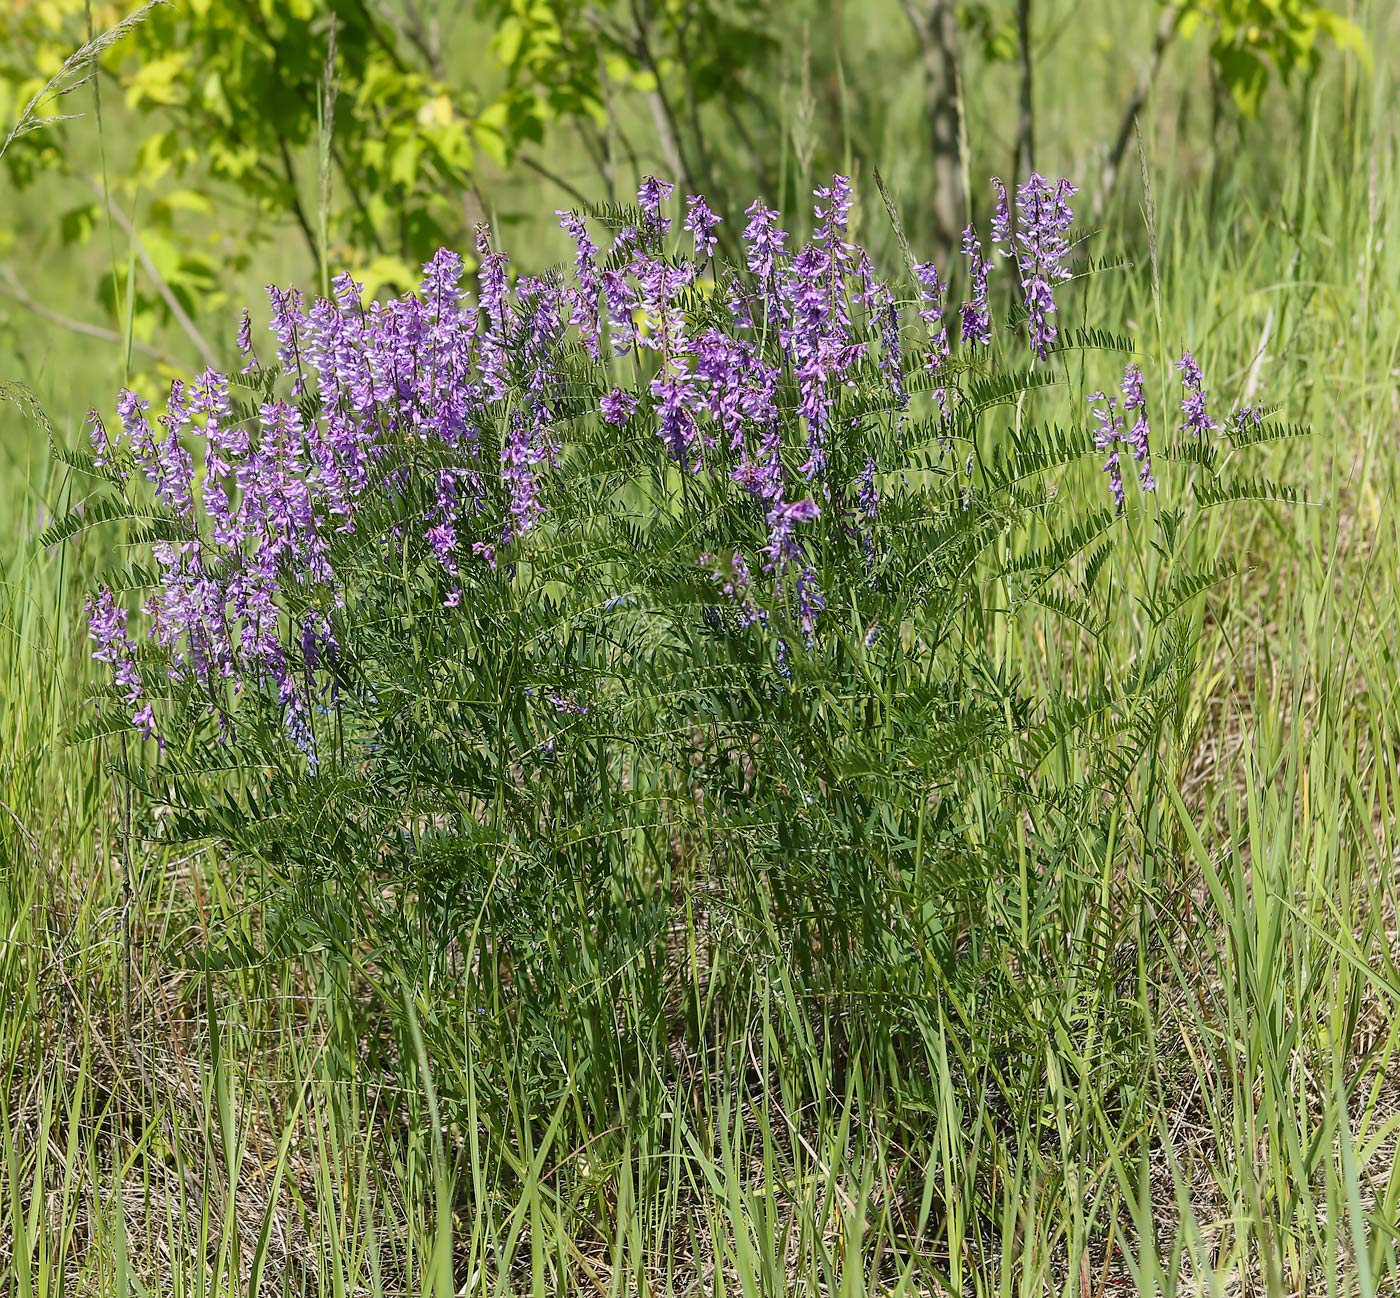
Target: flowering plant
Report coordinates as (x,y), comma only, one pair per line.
(668,558)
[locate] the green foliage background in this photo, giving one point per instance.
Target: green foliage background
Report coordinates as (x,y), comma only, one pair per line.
(242,140)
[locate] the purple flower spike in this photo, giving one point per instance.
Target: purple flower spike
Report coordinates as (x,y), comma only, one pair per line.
(1044,218)
(245,341)
(734,581)
(145,721)
(618,406)
(868,504)
(816,320)
(701,222)
(1001,222)
(931,299)
(519,458)
(97,434)
(491,350)
(782,551)
(1135,404)
(976,315)
(882,310)
(764,241)
(931,296)
(673,390)
(107,630)
(650,196)
(131,410)
(783,519)
(1106,438)
(583,296)
(1193,405)
(107,626)
(833,215)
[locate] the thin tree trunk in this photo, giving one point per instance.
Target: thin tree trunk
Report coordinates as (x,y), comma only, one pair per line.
(935,29)
(1166,29)
(1025,127)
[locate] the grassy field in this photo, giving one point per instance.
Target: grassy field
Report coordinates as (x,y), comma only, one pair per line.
(1214,1105)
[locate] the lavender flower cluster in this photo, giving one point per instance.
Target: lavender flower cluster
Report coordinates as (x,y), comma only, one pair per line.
(1109,433)
(1111,429)
(750,395)
(1036,241)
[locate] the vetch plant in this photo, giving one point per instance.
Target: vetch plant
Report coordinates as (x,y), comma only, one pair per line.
(485,609)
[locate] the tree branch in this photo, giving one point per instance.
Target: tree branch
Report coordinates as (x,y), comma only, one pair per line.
(11,287)
(182,318)
(554,178)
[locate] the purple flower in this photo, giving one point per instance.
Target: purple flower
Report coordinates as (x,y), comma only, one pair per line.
(144,719)
(782,547)
(107,630)
(97,433)
(880,304)
(868,506)
(931,295)
(618,406)
(976,315)
(734,580)
(131,410)
(1001,222)
(519,458)
(867,496)
(107,626)
(650,196)
(815,332)
(1135,404)
(583,296)
(1043,221)
(286,325)
(833,218)
(764,238)
(621,298)
(783,550)
(1193,405)
(701,222)
(245,340)
(1107,435)
(673,390)
(491,349)
(762,475)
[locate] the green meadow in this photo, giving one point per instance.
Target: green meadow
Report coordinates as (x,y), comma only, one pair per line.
(1162,1057)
